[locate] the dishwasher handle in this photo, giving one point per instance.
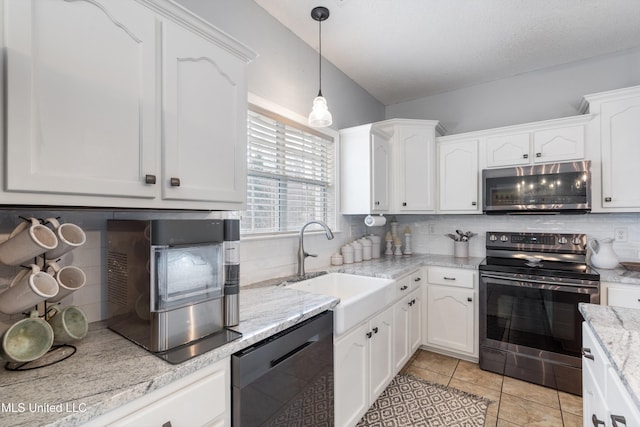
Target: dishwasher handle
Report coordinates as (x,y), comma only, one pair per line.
(293,352)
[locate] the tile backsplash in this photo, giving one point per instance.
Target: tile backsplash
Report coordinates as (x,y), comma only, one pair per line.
(265,258)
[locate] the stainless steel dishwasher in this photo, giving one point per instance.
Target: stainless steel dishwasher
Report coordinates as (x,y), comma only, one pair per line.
(286,379)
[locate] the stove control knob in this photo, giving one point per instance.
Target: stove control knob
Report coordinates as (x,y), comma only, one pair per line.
(577,241)
(493,237)
(563,240)
(504,238)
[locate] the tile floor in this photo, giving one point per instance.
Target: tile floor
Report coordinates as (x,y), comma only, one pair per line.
(514,402)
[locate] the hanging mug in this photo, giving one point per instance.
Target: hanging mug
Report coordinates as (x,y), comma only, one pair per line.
(26,340)
(27,241)
(68,324)
(69,278)
(28,288)
(70,236)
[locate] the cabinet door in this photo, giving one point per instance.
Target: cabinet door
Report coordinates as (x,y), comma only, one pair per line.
(620,127)
(508,150)
(458,176)
(381,353)
(351,364)
(81,97)
(561,144)
(415,321)
(401,333)
(622,409)
(204,119)
(416,170)
(381,173)
(594,409)
(450,318)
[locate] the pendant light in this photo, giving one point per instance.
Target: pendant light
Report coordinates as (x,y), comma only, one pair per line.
(320,115)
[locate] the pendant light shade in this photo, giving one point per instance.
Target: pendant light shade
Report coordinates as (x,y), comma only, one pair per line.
(320,115)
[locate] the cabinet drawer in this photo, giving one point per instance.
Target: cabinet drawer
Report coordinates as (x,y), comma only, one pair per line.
(451,277)
(623,297)
(593,357)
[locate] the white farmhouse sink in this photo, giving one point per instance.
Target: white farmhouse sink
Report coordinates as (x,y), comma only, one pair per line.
(360,296)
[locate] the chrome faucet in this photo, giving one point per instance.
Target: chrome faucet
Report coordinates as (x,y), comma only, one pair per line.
(301,253)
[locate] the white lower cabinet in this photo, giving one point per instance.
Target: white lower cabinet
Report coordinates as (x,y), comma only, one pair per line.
(621,295)
(363,360)
(407,315)
(605,399)
(200,399)
(451,311)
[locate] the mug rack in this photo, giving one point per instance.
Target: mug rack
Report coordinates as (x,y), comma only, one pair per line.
(58,352)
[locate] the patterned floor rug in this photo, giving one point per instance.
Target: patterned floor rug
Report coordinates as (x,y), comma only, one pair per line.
(411,401)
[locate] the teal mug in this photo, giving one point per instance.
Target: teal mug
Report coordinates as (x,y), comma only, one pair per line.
(69,324)
(26,340)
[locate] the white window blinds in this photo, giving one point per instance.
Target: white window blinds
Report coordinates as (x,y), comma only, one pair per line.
(290,175)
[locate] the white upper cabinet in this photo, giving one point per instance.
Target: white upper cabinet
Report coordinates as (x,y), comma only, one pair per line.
(542,142)
(81,97)
(110,102)
(616,174)
(458,190)
(365,170)
(204,119)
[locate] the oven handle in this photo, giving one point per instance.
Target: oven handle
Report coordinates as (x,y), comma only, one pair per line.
(512,281)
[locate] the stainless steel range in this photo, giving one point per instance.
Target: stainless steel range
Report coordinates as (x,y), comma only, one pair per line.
(530,326)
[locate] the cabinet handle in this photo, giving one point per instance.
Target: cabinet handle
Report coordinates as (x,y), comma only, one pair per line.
(369,334)
(615,419)
(525,156)
(607,199)
(404,288)
(404,203)
(377,203)
(586,352)
(449,278)
(149,179)
(469,299)
(474,203)
(174,182)
(596,421)
(375,330)
(538,154)
(417,279)
(167,424)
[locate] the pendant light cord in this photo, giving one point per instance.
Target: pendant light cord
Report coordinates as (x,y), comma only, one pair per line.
(320,58)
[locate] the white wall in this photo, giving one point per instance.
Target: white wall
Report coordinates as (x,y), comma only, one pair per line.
(545,94)
(286,70)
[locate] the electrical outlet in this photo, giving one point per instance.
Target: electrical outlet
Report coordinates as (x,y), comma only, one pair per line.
(620,234)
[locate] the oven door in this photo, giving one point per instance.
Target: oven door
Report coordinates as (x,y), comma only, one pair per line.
(531,328)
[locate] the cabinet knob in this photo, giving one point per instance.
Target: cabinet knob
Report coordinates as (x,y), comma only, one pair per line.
(417,279)
(615,419)
(525,156)
(167,424)
(404,203)
(174,182)
(469,299)
(375,330)
(607,199)
(149,179)
(369,334)
(596,422)
(377,203)
(404,288)
(538,154)
(474,203)
(586,352)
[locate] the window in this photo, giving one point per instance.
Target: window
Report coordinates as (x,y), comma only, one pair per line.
(290,175)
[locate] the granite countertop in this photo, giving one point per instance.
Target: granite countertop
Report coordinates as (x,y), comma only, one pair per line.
(109,371)
(618,331)
(619,275)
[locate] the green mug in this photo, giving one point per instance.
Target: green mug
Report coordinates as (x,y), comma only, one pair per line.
(27,339)
(68,324)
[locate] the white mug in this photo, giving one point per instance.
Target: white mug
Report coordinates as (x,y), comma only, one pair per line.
(27,241)
(28,288)
(26,340)
(69,278)
(70,236)
(68,324)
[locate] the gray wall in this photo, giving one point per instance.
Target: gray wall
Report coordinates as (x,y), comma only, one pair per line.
(286,70)
(541,95)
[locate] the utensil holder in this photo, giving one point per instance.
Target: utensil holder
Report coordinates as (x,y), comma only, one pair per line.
(461,249)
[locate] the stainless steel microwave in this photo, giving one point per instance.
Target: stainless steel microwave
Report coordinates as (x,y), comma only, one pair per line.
(545,188)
